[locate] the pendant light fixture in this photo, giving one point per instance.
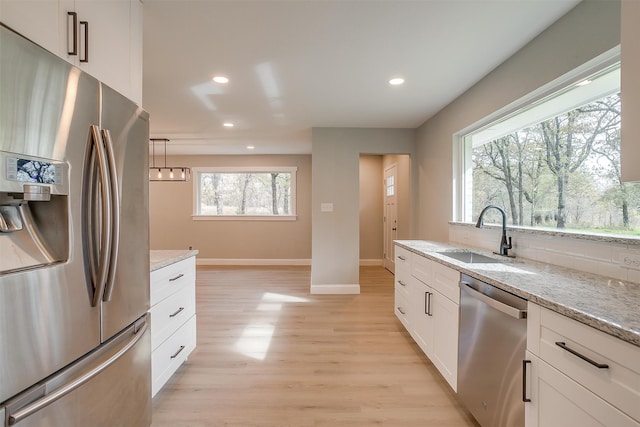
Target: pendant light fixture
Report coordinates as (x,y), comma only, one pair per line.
(166,173)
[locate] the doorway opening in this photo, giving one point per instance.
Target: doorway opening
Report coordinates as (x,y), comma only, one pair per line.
(384,206)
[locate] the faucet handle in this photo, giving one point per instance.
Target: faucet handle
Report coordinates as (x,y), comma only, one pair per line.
(509,247)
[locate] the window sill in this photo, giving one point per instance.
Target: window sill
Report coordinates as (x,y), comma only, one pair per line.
(244,217)
(596,237)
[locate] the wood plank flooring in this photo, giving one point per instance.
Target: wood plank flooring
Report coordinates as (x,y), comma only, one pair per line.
(270,354)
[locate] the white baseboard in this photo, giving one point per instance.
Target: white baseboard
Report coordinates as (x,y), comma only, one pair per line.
(335,289)
(244,261)
(371,262)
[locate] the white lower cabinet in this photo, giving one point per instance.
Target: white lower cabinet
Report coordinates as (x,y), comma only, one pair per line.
(173,319)
(433,306)
(402,285)
(558,401)
(577,375)
(445,338)
(422,316)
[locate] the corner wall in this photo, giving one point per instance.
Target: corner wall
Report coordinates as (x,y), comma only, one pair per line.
(335,179)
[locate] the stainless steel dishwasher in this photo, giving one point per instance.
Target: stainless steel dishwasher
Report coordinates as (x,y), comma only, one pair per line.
(491,350)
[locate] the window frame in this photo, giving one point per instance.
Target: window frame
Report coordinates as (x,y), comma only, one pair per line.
(196,171)
(461,209)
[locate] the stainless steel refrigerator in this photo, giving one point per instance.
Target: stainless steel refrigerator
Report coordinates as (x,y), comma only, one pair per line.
(74,246)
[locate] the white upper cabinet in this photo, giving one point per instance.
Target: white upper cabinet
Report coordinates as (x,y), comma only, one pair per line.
(630,84)
(37,20)
(102,37)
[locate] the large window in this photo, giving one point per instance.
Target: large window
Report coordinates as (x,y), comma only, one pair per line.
(555,164)
(245,193)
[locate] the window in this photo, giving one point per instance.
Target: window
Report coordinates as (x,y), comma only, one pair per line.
(250,193)
(555,164)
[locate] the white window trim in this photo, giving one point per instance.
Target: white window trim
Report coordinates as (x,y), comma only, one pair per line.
(293,170)
(460,212)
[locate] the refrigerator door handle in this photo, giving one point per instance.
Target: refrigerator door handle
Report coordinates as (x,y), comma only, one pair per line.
(115,214)
(100,271)
(46,400)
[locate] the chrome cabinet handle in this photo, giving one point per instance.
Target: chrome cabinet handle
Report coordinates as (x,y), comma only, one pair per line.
(401,311)
(178,311)
(524,381)
(177,352)
(401,258)
(427,303)
(173,279)
(564,346)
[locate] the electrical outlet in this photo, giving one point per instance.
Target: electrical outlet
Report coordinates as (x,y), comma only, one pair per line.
(630,260)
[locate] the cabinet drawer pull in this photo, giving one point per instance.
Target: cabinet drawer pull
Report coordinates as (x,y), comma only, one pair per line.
(173,279)
(178,352)
(524,381)
(401,258)
(563,346)
(401,311)
(401,283)
(178,311)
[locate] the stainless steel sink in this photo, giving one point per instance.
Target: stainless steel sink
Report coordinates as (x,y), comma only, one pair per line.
(470,257)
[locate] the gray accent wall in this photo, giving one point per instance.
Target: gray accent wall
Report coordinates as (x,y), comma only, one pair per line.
(335,236)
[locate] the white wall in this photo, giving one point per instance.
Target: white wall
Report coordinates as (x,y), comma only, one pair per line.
(335,235)
(590,29)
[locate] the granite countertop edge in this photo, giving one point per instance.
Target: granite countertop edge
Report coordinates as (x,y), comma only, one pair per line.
(606,304)
(162,257)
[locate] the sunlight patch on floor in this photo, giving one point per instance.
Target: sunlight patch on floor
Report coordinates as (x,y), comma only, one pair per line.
(256,337)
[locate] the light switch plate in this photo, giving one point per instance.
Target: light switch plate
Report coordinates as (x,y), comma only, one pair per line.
(326,207)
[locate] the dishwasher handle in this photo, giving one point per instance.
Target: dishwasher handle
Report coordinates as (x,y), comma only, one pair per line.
(500,306)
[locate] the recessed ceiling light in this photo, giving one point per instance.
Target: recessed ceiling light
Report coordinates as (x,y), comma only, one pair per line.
(250,147)
(396,81)
(221,79)
(228,125)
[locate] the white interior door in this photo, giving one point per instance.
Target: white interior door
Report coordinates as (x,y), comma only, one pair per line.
(390,215)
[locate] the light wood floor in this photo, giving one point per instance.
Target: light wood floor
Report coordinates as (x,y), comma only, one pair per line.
(270,354)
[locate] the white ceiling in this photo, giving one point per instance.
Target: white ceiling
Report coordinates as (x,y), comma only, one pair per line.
(294,65)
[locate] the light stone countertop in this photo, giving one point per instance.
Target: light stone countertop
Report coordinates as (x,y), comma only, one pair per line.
(163,258)
(610,305)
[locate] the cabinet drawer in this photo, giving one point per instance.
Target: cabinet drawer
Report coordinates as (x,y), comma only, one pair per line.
(618,383)
(403,284)
(446,281)
(421,268)
(558,401)
(171,313)
(402,259)
(170,279)
(442,279)
(168,357)
(401,308)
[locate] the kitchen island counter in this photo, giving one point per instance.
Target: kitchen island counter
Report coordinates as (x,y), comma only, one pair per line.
(163,258)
